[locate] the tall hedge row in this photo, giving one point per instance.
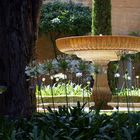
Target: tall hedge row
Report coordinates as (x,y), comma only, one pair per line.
(101,17)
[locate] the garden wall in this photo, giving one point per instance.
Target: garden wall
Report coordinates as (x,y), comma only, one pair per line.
(125,16)
(44,49)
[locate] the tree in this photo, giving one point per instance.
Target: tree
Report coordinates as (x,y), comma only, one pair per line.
(64,19)
(101,24)
(18,33)
(101,17)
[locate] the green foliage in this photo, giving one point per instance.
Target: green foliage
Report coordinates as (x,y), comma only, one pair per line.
(72,124)
(135,33)
(129,92)
(101,17)
(2,89)
(112,70)
(65,18)
(135,57)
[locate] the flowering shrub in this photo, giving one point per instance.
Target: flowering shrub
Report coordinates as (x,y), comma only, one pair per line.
(55,21)
(65,18)
(34,69)
(63,63)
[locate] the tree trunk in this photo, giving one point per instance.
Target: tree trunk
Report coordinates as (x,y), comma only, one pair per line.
(18,32)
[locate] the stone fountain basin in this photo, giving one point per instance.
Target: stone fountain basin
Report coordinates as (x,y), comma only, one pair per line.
(108,48)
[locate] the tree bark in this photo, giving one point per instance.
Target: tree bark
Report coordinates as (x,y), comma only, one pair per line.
(18,33)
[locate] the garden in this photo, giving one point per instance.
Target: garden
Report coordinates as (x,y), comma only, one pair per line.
(65,99)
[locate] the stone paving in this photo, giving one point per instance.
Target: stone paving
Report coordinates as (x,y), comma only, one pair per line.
(122,106)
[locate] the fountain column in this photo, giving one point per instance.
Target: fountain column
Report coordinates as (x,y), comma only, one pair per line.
(101,92)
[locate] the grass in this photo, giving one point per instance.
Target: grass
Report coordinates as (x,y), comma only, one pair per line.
(129,92)
(61,89)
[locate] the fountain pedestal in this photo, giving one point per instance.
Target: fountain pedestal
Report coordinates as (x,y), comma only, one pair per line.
(101,92)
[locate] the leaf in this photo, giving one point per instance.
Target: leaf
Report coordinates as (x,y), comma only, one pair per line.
(35,132)
(79,137)
(127,133)
(47,137)
(107,137)
(67,138)
(49,109)
(58,133)
(13,135)
(105,128)
(41,135)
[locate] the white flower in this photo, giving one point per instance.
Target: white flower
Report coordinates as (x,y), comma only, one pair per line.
(74,66)
(43,79)
(77,87)
(137,77)
(31,71)
(27,68)
(127,77)
(59,76)
(63,62)
(79,74)
(56,20)
(91,68)
(72,18)
(27,71)
(39,69)
(117,75)
(57,79)
(54,62)
(52,77)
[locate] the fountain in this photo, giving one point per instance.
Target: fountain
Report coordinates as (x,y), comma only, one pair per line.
(100,50)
